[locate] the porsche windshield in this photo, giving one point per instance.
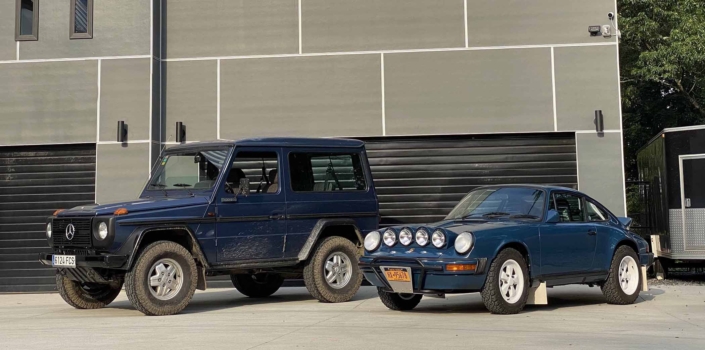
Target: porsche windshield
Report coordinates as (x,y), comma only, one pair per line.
(191,170)
(501,202)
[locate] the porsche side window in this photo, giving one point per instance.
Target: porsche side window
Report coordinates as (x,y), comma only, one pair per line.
(595,213)
(569,207)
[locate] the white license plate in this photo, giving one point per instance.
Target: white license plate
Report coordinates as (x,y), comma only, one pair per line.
(63,261)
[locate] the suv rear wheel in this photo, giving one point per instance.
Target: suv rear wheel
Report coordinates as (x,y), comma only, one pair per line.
(331,274)
(163,280)
(259,285)
(86,295)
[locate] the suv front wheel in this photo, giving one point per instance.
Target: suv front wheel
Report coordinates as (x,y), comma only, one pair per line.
(331,274)
(163,280)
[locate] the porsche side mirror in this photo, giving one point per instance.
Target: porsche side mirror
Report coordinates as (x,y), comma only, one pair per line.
(553,217)
(627,222)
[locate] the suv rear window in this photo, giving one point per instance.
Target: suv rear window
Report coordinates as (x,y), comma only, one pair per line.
(326,172)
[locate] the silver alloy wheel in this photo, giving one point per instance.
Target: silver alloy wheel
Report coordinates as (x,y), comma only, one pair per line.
(166,278)
(338,270)
(511,281)
(628,275)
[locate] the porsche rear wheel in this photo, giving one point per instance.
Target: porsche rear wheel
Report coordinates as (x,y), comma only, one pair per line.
(506,288)
(399,302)
(624,280)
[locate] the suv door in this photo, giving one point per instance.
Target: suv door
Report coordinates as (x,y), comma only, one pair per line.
(251,226)
(568,246)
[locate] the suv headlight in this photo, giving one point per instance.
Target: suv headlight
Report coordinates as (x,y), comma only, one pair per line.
(464,242)
(372,241)
(49,230)
(390,238)
(102,230)
(438,238)
(406,237)
(422,237)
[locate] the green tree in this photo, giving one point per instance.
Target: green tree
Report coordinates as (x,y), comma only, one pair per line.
(662,54)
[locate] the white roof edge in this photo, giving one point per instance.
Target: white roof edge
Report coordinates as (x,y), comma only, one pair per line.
(684,128)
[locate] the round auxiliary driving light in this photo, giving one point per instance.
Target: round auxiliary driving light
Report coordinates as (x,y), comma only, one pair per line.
(422,237)
(406,237)
(438,239)
(389,238)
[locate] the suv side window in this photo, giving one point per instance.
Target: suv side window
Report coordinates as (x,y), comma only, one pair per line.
(326,172)
(570,207)
(261,168)
(595,213)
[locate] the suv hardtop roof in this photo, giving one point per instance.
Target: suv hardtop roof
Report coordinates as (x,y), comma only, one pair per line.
(277,142)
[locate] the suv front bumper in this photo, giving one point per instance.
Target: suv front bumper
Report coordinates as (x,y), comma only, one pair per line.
(107,261)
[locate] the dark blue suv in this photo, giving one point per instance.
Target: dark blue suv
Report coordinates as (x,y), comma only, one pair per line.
(259,210)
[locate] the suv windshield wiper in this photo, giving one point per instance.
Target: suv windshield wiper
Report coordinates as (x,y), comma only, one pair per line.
(181,185)
(158,186)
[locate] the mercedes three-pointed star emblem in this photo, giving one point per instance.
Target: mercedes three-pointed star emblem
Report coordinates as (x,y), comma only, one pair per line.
(70,231)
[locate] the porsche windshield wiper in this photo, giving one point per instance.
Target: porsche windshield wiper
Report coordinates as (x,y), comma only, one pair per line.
(495,214)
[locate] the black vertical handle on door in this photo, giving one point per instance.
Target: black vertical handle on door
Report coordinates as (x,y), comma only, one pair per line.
(592,232)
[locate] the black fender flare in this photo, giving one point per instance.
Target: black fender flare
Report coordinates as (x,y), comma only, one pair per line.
(133,242)
(318,229)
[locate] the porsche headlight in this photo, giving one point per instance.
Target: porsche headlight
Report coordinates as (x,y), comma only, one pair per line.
(421,237)
(372,241)
(464,242)
(438,238)
(102,230)
(390,238)
(406,237)
(49,230)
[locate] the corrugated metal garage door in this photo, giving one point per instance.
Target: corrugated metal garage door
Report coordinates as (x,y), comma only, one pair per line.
(35,181)
(420,179)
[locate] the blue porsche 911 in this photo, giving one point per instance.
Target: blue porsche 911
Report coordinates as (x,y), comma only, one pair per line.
(509,243)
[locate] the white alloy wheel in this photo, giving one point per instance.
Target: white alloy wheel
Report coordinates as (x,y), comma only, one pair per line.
(511,281)
(338,270)
(165,279)
(628,275)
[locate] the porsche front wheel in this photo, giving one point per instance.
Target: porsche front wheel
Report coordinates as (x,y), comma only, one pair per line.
(506,288)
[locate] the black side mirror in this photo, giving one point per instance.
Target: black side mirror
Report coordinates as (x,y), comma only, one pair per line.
(553,217)
(244,187)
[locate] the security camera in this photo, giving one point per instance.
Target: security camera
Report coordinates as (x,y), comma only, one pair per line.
(610,16)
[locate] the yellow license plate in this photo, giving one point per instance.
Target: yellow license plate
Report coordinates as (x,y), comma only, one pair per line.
(397,275)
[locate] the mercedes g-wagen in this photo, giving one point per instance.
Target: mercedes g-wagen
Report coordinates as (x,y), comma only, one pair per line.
(258,210)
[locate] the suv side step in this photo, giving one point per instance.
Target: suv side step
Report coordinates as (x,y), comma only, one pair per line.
(260,263)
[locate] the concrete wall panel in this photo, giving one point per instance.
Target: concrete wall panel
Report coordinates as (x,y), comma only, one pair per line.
(587,79)
(121,171)
(468,92)
(191,98)
(124,95)
(343,25)
(521,22)
(8,46)
(600,172)
(120,28)
(48,102)
(302,96)
(208,28)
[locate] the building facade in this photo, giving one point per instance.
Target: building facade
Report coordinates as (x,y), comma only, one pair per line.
(449,94)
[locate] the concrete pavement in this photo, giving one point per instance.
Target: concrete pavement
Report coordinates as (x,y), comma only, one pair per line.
(576,317)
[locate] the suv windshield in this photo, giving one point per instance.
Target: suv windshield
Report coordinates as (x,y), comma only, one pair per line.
(507,202)
(192,170)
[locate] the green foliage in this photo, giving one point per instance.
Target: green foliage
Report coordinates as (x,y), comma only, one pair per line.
(662,54)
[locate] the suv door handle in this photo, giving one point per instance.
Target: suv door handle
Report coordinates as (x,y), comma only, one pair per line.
(592,232)
(276,216)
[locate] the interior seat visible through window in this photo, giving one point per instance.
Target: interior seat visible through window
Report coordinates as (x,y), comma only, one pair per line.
(273,187)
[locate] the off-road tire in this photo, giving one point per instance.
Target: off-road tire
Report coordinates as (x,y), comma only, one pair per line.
(80,295)
(610,288)
(395,301)
(137,280)
(257,286)
(491,293)
(313,271)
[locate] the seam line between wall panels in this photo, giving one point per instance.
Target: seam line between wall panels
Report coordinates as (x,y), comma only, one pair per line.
(161,72)
(619,92)
(553,83)
(41,60)
(347,53)
(300,34)
(151,84)
(217,118)
(465,18)
(384,112)
(577,163)
(97,133)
